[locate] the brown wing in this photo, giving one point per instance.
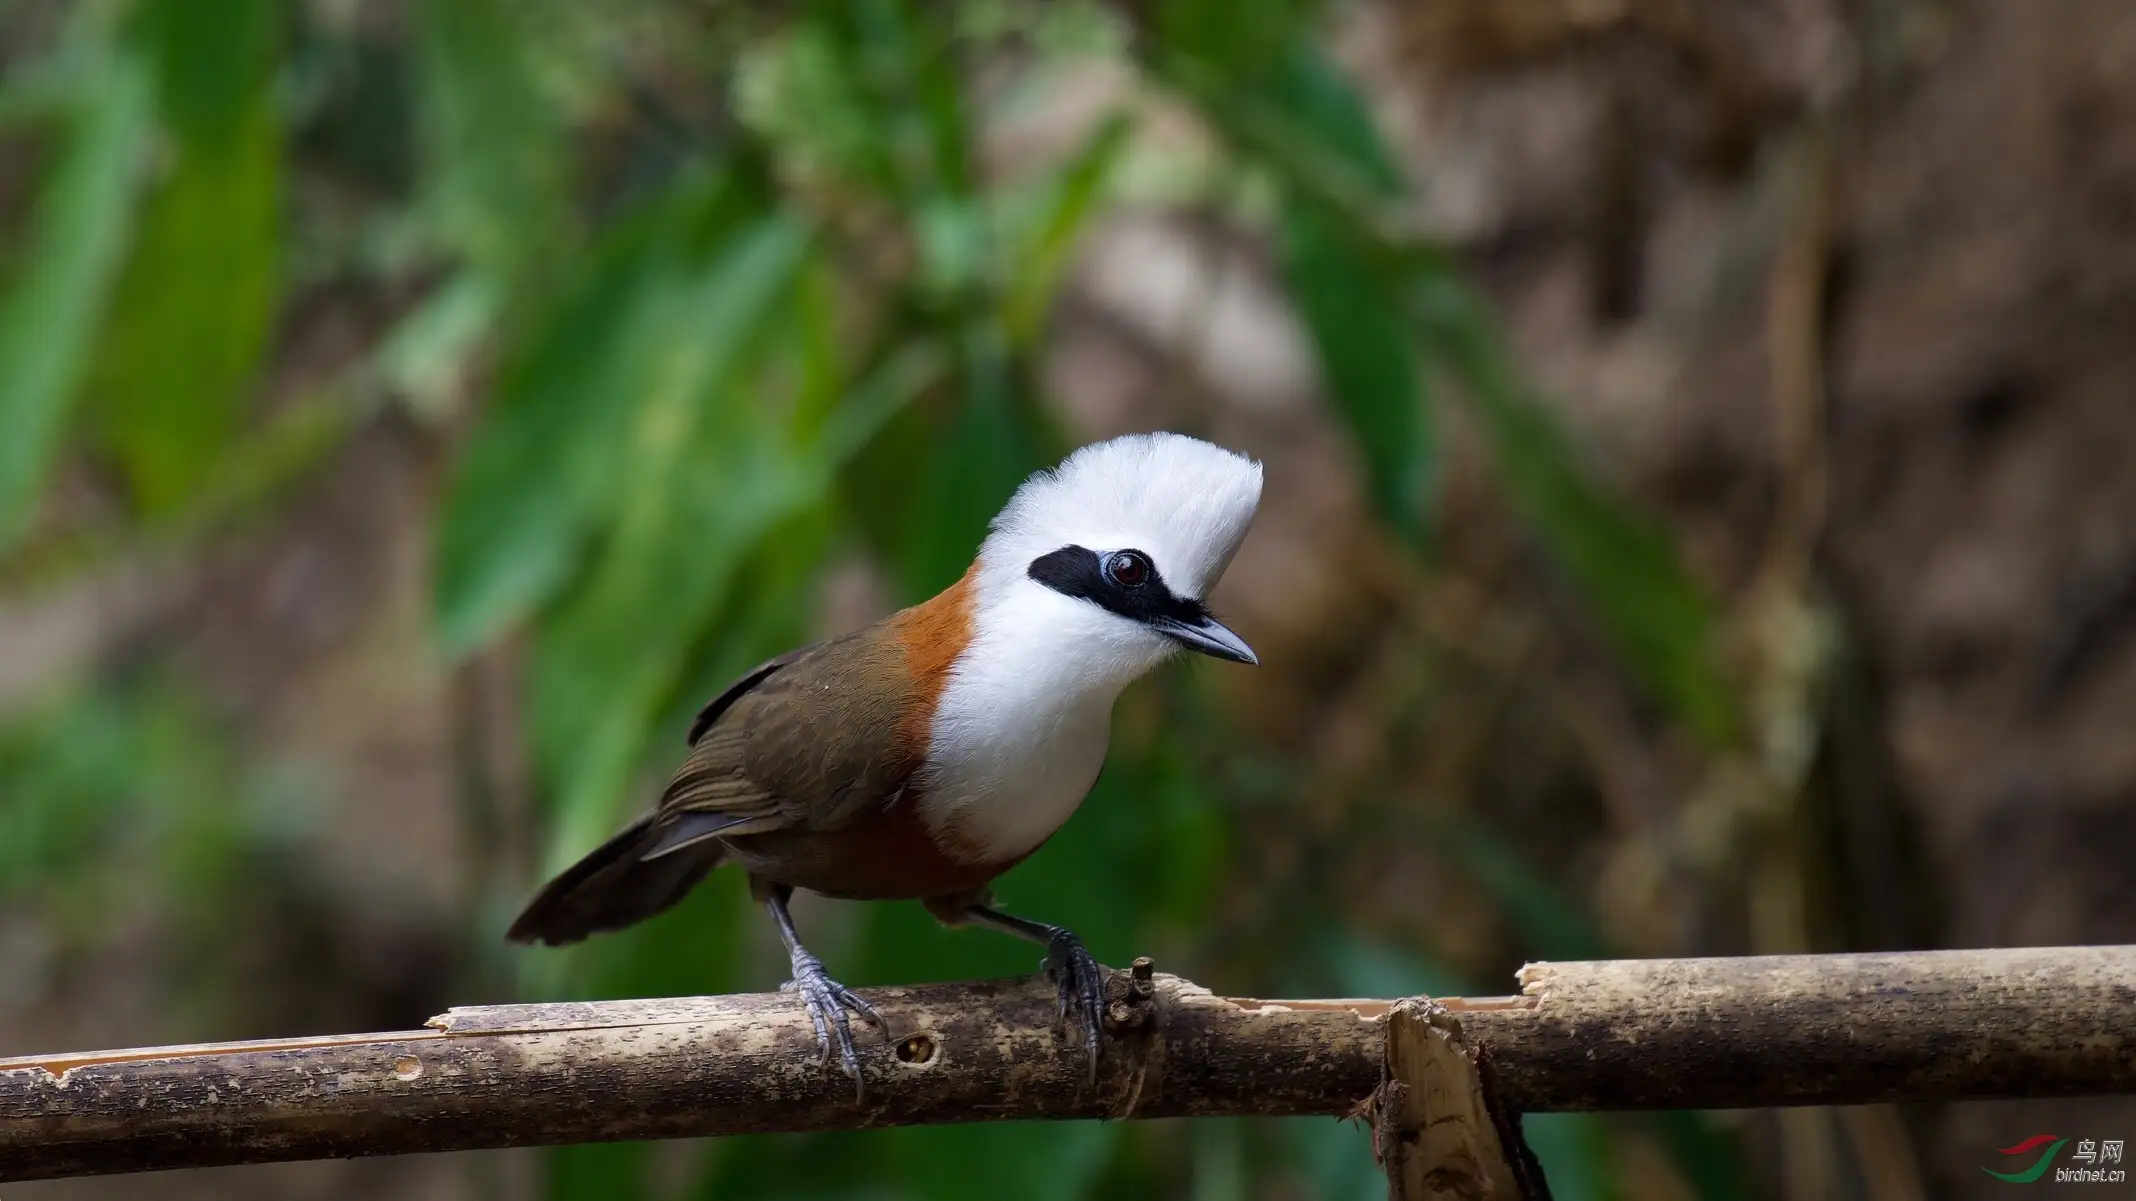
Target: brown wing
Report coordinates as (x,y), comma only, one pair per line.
(719,705)
(810,741)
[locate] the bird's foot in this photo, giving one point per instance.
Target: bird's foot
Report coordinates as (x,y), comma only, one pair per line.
(1082,990)
(827,1001)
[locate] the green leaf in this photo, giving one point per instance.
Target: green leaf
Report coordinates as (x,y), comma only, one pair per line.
(1287,103)
(1219,1159)
(610,1171)
(544,465)
(1367,359)
(196,303)
(1366,967)
(1709,1155)
(877,400)
(908,57)
(714,472)
(1319,98)
(1324,149)
(706,477)
(125,804)
(923,491)
(425,357)
(77,239)
(990,446)
(797,92)
(1035,274)
(1336,1157)
(1550,925)
(210,65)
(68,786)
(497,141)
(1575,1152)
(1236,39)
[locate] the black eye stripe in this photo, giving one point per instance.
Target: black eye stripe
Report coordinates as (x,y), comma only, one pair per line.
(1081,573)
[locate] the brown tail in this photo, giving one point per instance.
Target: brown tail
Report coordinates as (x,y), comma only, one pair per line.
(616,885)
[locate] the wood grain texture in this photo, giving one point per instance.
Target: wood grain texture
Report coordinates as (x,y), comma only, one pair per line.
(1818,1029)
(1435,1129)
(1616,1035)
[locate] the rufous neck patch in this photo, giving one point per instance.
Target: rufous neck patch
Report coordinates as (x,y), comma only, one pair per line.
(933,633)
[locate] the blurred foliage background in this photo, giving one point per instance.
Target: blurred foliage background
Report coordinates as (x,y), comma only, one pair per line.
(1698,516)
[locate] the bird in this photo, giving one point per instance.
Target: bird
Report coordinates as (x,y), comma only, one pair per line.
(922,756)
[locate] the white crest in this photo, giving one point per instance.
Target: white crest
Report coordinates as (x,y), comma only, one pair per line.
(1020,731)
(1184,502)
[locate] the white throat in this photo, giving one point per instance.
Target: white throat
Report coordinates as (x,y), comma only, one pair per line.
(1021,729)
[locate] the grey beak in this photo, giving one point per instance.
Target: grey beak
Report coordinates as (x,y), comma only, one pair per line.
(1210,637)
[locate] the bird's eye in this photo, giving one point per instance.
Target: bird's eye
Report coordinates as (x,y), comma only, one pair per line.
(1128,568)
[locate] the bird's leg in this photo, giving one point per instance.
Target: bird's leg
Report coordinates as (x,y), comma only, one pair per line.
(1068,964)
(827,1000)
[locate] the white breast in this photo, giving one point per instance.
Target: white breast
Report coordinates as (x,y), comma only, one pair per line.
(1021,728)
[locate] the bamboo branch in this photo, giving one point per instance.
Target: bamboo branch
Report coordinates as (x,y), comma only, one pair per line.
(1712,1033)
(1439,1129)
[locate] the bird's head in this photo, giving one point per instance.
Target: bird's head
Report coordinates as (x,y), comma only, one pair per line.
(1113,553)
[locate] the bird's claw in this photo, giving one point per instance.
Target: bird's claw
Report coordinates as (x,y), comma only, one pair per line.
(827,1001)
(1081,984)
